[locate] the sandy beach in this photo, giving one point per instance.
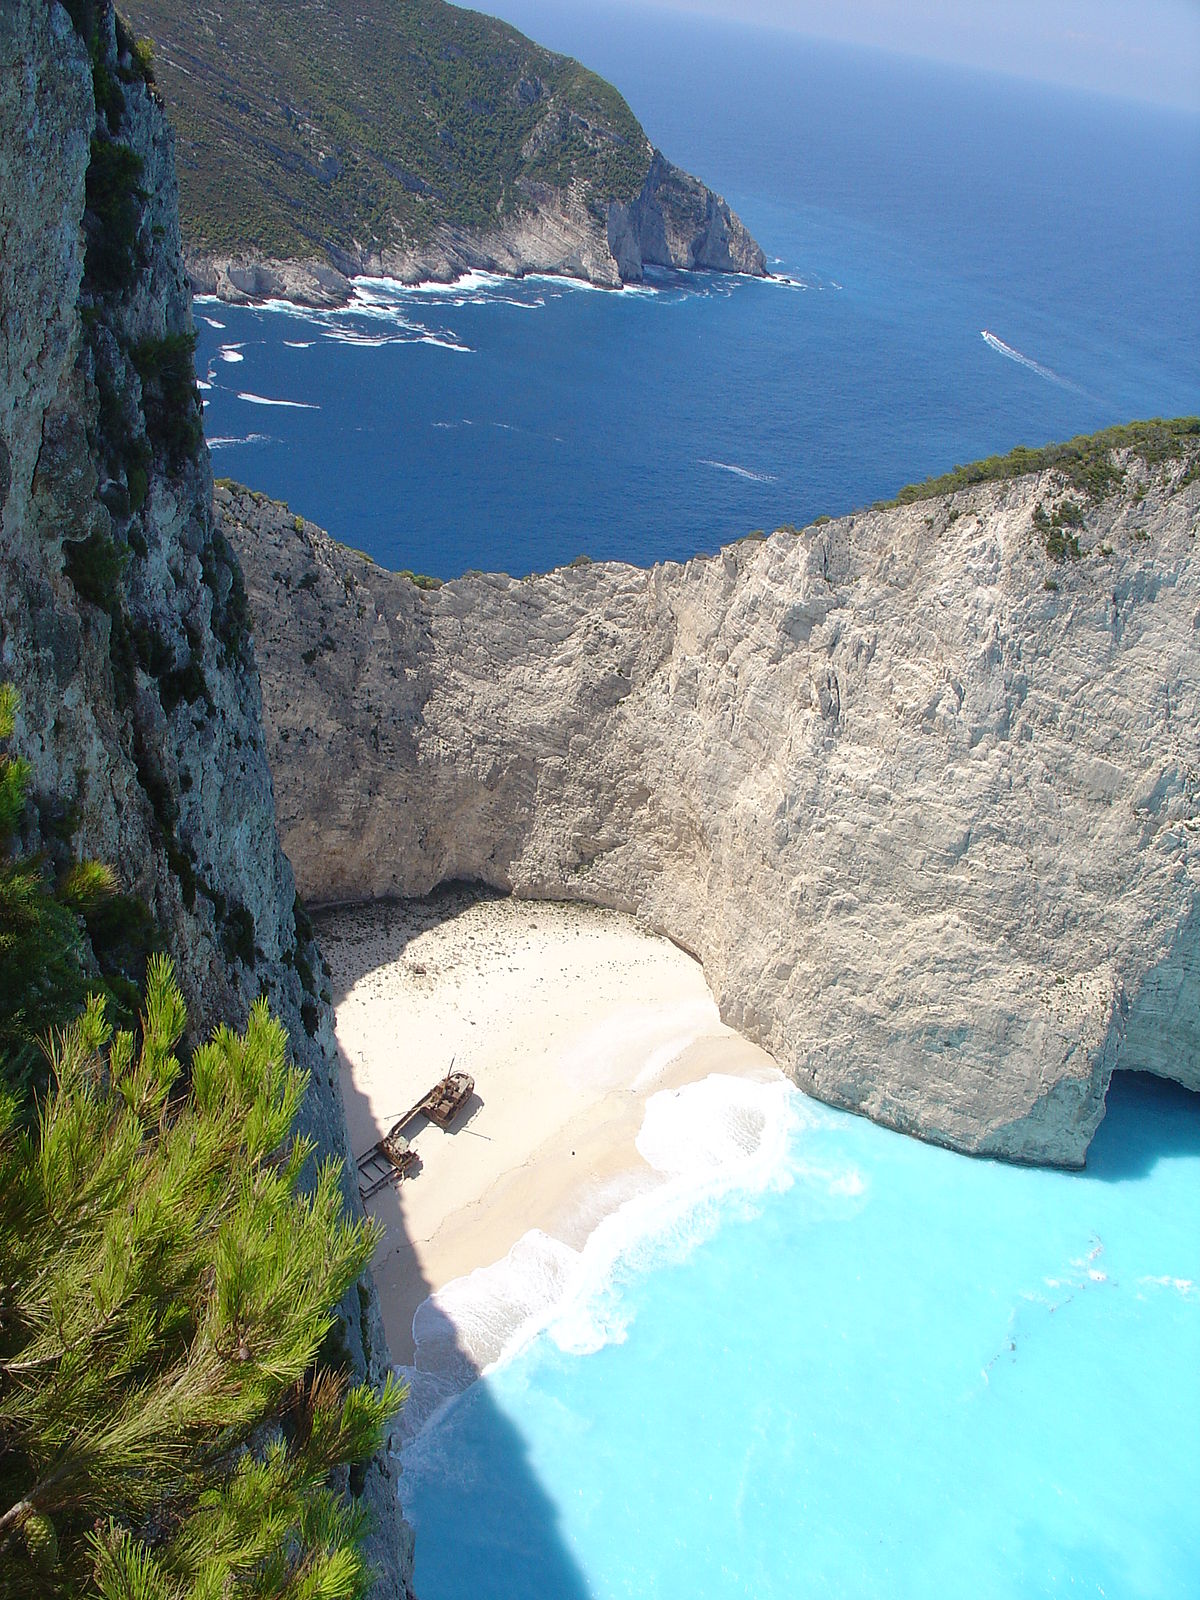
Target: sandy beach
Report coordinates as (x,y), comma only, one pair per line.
(568,1018)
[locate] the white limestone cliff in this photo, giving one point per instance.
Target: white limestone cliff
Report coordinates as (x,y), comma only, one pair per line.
(925,802)
(675,221)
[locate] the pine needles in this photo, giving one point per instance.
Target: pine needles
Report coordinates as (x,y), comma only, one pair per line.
(169,1265)
(167,1286)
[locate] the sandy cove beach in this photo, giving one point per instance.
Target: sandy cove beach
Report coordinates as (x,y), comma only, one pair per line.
(568,1018)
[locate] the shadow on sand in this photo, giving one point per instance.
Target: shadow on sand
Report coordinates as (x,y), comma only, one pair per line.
(520,1554)
(1147,1119)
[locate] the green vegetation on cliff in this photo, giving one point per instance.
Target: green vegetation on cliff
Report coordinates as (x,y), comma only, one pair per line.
(354,124)
(1085,462)
(172,1403)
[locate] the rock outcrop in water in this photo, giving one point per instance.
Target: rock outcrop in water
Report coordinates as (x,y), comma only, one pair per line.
(123,619)
(925,801)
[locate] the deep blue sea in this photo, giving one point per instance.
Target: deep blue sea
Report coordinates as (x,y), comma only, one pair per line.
(911,206)
(858,1368)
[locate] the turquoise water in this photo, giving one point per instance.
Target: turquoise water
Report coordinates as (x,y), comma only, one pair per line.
(912,207)
(888,1371)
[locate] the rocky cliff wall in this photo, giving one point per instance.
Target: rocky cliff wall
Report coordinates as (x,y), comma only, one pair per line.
(924,800)
(674,222)
(123,620)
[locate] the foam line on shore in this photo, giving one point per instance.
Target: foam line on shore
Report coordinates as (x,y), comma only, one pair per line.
(704,1142)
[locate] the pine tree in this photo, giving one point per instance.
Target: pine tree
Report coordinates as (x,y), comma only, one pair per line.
(168,1429)
(165,1430)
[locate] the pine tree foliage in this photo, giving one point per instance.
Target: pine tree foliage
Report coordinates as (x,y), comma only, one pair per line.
(166,1284)
(43,962)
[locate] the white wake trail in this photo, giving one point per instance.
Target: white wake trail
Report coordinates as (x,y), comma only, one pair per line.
(738,472)
(1006,350)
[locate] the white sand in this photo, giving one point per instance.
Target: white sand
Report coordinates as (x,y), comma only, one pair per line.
(568,1019)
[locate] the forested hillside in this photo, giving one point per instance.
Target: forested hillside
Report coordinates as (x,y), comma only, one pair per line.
(356,124)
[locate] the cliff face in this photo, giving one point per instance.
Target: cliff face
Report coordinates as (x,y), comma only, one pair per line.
(123,619)
(925,801)
(674,221)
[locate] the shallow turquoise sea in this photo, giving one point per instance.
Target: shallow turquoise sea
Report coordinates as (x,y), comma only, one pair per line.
(878,1370)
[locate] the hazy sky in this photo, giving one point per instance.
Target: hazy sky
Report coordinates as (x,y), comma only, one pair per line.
(1142,49)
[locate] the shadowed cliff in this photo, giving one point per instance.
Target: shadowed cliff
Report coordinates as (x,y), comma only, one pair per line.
(123,617)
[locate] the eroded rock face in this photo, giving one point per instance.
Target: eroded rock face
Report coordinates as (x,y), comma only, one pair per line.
(924,801)
(674,222)
(122,614)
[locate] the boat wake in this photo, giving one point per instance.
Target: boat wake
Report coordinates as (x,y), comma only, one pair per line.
(222,442)
(738,472)
(994,342)
(263,400)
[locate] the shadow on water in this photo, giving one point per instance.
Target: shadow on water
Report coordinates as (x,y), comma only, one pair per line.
(521,1553)
(1146,1120)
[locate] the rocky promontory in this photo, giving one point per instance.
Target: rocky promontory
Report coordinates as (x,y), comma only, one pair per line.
(415,142)
(674,221)
(919,786)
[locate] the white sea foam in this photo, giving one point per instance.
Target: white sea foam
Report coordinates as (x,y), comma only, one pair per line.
(292,405)
(366,341)
(705,1141)
(299,344)
(739,472)
(248,438)
(391,288)
(212,322)
(291,308)
(444,343)
(231,353)
(1184,1287)
(201,384)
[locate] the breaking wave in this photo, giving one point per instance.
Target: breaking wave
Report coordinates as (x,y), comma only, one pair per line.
(705,1141)
(292,405)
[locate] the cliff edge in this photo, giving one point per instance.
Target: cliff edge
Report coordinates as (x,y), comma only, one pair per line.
(919,786)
